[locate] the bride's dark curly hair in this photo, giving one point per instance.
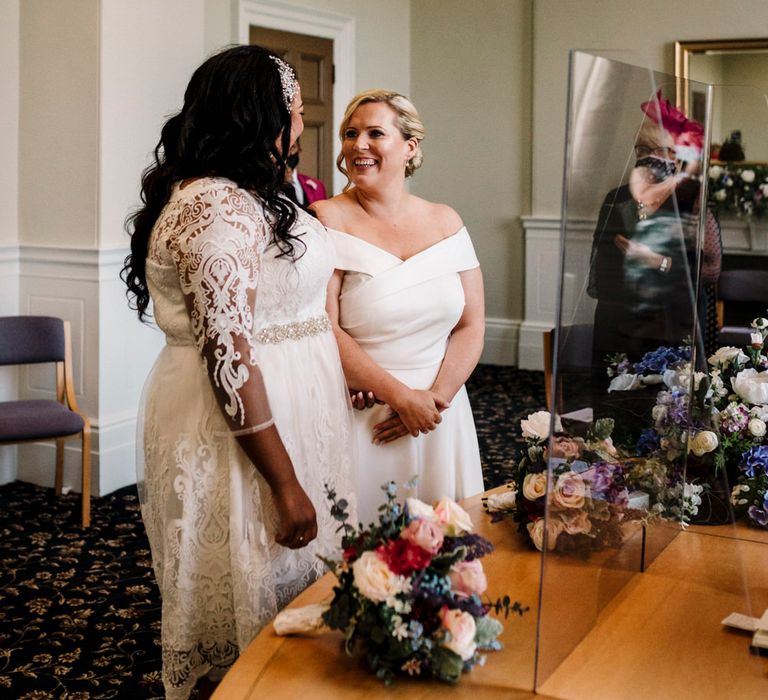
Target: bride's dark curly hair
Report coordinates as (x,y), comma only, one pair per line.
(232,116)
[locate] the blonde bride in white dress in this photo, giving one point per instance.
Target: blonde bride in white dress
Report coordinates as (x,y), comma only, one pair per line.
(407,305)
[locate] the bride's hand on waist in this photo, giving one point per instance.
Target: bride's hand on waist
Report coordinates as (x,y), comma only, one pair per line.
(418,410)
(389,430)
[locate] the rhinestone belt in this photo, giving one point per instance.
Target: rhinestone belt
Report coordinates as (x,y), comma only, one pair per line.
(293,331)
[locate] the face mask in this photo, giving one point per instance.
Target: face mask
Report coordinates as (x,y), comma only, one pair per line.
(662,168)
(292,161)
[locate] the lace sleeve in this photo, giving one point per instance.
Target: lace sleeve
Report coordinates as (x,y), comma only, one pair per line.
(217,250)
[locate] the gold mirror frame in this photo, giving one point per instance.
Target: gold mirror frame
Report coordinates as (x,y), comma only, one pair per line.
(684,50)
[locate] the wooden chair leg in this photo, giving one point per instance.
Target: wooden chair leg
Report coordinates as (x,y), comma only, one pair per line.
(59,465)
(86,475)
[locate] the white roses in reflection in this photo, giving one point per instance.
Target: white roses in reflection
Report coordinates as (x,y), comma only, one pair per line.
(537,425)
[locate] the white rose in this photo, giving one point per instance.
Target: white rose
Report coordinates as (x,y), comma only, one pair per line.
(419,509)
(454,519)
(625,382)
(720,195)
(659,412)
(375,580)
(536,531)
(461,630)
(760,412)
(537,425)
(757,427)
(726,355)
(751,386)
(535,485)
(748,175)
(715,172)
(703,442)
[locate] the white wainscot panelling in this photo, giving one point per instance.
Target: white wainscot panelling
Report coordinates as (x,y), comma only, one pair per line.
(9,376)
(543,264)
(68,283)
(61,282)
(502,336)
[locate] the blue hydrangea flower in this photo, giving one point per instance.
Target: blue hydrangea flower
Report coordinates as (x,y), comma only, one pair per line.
(754,459)
(648,442)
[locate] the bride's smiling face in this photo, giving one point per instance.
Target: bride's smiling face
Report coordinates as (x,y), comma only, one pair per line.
(374,149)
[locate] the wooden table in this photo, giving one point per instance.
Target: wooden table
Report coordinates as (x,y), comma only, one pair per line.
(608,632)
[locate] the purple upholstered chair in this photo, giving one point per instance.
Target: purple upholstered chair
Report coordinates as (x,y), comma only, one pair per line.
(37,339)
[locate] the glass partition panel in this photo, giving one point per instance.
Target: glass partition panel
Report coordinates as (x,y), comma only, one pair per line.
(656,466)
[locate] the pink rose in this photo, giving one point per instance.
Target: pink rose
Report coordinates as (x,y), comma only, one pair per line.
(536,531)
(425,534)
(454,519)
(461,630)
(575,522)
(567,448)
(468,577)
(570,491)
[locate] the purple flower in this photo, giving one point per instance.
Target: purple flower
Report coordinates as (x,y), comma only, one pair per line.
(759,516)
(753,459)
(734,418)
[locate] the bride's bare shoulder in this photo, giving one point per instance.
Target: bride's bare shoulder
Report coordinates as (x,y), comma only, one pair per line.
(445,218)
(333,212)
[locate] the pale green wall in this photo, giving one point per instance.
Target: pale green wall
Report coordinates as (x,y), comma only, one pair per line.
(59,122)
(470,68)
(9,120)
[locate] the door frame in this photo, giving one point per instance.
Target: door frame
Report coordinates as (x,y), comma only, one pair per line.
(322,23)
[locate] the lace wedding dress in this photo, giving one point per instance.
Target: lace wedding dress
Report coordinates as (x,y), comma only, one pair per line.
(402,312)
(248,328)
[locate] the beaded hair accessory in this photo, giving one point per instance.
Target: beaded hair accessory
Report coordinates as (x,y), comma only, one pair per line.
(287,80)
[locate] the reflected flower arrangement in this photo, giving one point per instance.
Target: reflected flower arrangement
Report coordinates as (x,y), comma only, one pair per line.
(742,191)
(717,419)
(586,488)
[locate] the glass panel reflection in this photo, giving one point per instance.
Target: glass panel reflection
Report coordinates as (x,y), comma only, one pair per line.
(637,526)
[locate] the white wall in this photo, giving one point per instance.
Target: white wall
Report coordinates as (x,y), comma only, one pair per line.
(149,50)
(9,196)
(9,122)
(471,85)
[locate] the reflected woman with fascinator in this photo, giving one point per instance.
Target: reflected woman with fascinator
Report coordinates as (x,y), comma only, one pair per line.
(644,250)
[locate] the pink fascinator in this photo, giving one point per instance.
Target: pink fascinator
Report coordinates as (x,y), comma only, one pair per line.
(665,114)
(688,133)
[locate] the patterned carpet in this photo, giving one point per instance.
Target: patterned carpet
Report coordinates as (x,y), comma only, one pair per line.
(79,609)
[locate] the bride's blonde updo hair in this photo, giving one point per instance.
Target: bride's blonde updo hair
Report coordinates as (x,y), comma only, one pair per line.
(407,119)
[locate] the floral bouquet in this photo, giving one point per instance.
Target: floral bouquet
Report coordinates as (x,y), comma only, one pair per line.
(717,421)
(741,191)
(409,590)
(586,490)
